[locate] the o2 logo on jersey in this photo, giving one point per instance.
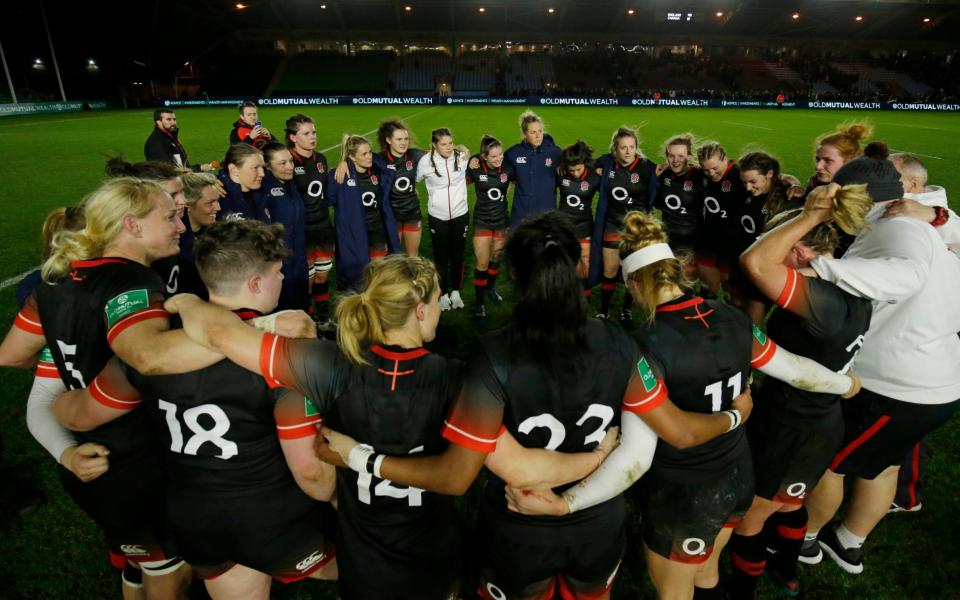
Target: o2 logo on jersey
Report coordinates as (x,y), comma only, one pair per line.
(726,186)
(573,201)
(315,189)
(748,224)
(402,184)
(558,432)
(713,207)
(201,435)
(797,490)
(673,203)
(621,195)
(495,194)
(368,199)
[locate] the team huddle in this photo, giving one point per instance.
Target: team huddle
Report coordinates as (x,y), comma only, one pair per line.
(207,430)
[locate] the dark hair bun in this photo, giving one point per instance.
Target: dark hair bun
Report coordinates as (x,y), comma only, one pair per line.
(878,150)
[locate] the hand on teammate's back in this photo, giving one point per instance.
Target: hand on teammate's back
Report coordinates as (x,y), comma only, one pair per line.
(536,502)
(855,388)
(910,208)
(744,403)
(86,461)
(295,324)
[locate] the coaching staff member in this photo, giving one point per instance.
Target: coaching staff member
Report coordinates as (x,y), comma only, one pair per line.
(164,142)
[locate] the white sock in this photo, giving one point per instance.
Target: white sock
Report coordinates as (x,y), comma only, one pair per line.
(810,536)
(847,538)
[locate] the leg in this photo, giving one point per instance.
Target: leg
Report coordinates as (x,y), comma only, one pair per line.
(458,242)
(708,575)
(870,500)
(499,241)
(410,237)
(909,497)
(790,527)
(328,572)
(171,585)
(440,234)
(823,502)
(608,285)
(710,278)
(672,580)
(239,583)
(132,583)
(481,250)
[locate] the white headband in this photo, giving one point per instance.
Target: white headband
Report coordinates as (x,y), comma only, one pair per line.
(643,257)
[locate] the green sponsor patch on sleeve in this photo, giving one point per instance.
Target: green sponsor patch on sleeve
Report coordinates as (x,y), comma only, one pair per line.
(46,355)
(646,375)
(309,408)
(759,335)
(125,304)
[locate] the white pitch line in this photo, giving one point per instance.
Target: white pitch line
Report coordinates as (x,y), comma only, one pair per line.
(748,125)
(917,153)
(15,279)
(335,146)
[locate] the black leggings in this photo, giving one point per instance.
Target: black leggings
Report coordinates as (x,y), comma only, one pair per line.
(449,239)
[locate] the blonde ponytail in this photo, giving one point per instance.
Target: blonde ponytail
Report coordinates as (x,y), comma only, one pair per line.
(851,203)
(392,288)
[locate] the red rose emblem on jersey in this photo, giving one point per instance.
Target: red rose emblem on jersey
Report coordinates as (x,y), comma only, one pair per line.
(688,186)
(374,179)
(320,168)
(503,177)
(726,186)
(548,162)
(634,178)
(584,186)
(409,164)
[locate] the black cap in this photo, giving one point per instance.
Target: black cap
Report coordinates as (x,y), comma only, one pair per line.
(874,170)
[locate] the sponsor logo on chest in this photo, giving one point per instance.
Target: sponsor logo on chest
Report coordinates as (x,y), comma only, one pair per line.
(299,171)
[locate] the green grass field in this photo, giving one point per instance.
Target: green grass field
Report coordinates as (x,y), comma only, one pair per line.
(54,160)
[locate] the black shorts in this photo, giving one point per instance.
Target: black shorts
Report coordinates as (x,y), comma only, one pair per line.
(585,567)
(681,520)
(387,563)
(128,504)
(377,241)
(790,458)
(407,216)
(321,238)
(480,224)
(880,431)
(282,533)
(612,235)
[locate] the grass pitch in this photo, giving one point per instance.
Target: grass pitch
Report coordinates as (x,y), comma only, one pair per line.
(54,160)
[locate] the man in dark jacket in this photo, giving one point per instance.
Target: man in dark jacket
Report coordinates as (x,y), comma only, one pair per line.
(164,143)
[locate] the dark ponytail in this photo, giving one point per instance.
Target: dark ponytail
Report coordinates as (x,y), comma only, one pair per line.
(551,314)
(152,170)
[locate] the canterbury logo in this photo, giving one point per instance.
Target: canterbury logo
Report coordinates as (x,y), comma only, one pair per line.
(310,561)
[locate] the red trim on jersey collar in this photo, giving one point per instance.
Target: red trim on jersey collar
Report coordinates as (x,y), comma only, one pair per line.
(667,307)
(96,262)
(390,157)
(730,165)
(247,313)
(300,158)
(483,163)
(403,355)
(629,168)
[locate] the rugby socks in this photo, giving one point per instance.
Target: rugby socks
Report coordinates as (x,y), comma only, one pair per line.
(608,285)
(789,531)
(587,290)
(627,299)
(480,285)
(321,299)
(847,538)
(748,557)
(714,593)
(492,271)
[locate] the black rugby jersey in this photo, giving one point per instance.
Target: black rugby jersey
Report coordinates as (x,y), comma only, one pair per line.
(310,177)
(220,426)
(169,271)
(576,199)
(722,204)
(369,184)
(396,404)
(752,219)
(699,354)
(491,186)
(403,194)
(628,188)
(818,320)
(680,200)
(81,315)
(515,391)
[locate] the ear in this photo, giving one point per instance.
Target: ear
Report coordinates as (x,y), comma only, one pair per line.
(420,311)
(253,284)
(131,225)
